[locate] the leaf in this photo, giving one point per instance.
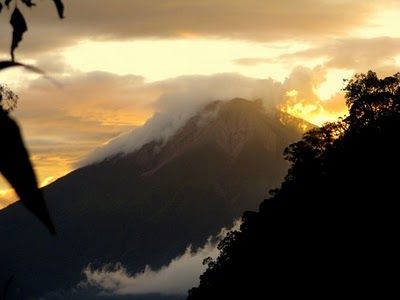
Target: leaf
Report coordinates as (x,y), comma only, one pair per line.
(16,167)
(5,64)
(18,23)
(7,3)
(28,3)
(60,8)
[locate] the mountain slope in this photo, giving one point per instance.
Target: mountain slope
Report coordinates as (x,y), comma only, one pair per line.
(146,207)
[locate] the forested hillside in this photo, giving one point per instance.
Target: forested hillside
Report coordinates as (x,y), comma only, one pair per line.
(329,230)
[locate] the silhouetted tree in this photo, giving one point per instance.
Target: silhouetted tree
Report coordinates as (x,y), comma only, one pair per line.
(331,228)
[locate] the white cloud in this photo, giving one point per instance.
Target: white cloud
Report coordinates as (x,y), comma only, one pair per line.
(176,278)
(182,98)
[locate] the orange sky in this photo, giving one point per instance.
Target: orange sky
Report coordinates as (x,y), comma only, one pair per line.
(117,65)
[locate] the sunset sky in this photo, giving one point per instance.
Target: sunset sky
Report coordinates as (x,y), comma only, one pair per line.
(119,60)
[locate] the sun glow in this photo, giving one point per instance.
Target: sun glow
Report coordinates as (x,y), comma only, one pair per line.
(7,196)
(315,114)
(157,59)
(333,83)
(314,110)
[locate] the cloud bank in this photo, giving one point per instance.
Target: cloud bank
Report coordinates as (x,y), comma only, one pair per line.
(255,20)
(358,54)
(176,278)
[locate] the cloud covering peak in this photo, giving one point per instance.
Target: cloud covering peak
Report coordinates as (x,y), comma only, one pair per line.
(183,98)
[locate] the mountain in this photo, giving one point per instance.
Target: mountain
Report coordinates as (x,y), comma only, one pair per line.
(147,206)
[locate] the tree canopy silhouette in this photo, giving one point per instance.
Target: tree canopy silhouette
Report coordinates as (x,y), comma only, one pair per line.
(331,228)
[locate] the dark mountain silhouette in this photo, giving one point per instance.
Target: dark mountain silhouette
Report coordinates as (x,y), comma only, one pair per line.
(146,207)
(330,230)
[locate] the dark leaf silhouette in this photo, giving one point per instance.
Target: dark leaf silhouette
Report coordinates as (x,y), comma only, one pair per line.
(60,8)
(28,3)
(15,164)
(8,2)
(17,169)
(5,64)
(18,22)
(19,27)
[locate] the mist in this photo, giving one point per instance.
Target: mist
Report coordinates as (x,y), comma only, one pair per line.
(176,278)
(183,97)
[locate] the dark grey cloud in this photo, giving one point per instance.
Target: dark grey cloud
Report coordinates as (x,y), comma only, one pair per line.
(354,53)
(358,54)
(256,20)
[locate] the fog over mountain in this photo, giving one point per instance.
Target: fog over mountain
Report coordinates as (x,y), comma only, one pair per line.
(173,279)
(184,97)
(145,207)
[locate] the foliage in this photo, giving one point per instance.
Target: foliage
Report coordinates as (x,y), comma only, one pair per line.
(16,167)
(8,99)
(15,164)
(329,229)
(18,22)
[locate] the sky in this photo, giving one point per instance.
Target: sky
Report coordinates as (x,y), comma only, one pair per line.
(120,63)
